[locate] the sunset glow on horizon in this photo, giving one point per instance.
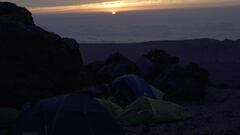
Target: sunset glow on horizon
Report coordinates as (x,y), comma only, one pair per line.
(111,7)
(117,6)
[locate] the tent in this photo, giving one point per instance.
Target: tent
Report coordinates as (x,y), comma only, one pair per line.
(157,93)
(72,114)
(7,117)
(131,87)
(113,108)
(146,110)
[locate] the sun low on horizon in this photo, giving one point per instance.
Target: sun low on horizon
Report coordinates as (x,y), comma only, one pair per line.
(114,12)
(115,6)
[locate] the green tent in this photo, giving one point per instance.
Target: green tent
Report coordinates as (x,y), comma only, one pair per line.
(145,110)
(7,117)
(113,108)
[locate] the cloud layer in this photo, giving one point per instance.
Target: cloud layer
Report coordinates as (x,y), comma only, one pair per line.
(219,23)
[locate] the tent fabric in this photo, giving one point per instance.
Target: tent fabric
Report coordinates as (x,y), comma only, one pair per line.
(7,117)
(146,110)
(157,93)
(72,114)
(113,108)
(131,87)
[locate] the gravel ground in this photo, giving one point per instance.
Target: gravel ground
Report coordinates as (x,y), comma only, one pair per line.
(218,115)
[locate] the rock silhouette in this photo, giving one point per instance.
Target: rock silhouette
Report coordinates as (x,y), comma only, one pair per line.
(11,12)
(165,72)
(34,63)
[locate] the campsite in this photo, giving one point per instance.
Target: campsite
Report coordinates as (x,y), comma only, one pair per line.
(48,89)
(77,114)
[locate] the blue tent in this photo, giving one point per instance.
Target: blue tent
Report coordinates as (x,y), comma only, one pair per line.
(131,87)
(72,114)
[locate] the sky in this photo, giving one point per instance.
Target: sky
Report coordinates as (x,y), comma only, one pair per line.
(183,19)
(176,24)
(113,6)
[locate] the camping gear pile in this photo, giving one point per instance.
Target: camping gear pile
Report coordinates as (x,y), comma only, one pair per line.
(81,114)
(143,103)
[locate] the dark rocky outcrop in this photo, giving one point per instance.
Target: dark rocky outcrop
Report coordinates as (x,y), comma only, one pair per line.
(115,66)
(89,74)
(34,63)
(154,63)
(106,71)
(165,72)
(161,57)
(16,14)
(180,83)
(158,68)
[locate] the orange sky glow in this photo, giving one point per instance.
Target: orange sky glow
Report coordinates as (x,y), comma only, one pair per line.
(117,6)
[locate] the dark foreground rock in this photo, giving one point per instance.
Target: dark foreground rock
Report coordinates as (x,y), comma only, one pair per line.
(34,63)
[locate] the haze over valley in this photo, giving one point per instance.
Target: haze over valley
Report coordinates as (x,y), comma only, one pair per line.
(175,24)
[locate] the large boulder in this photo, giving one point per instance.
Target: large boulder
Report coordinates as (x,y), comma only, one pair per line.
(116,65)
(180,83)
(177,82)
(34,63)
(161,57)
(155,62)
(195,83)
(90,73)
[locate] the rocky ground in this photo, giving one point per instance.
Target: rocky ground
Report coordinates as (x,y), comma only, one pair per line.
(218,115)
